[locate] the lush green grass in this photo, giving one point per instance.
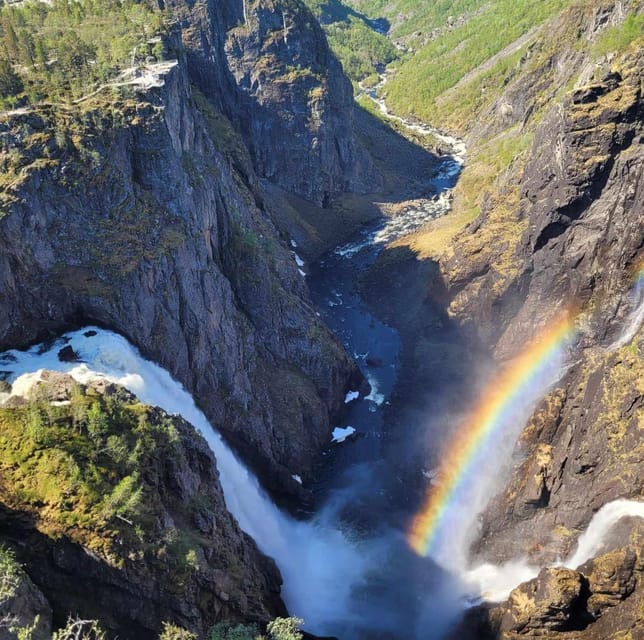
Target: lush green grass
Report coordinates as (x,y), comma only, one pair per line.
(354,41)
(441,63)
(417,15)
(620,37)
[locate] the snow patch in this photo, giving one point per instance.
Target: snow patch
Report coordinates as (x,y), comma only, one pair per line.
(374,395)
(351,396)
(297,478)
(340,434)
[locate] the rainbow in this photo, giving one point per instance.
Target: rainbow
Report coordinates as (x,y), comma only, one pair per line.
(485,421)
(639,273)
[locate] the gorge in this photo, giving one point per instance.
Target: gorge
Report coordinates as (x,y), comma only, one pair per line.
(412,360)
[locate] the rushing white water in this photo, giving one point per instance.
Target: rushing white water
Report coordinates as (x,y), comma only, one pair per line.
(320,566)
(494,582)
(482,478)
(423,211)
(591,541)
(635,318)
(456,145)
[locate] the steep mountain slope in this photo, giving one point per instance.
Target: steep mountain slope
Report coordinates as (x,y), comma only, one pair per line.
(268,66)
(553,185)
(116,513)
(145,215)
(140,208)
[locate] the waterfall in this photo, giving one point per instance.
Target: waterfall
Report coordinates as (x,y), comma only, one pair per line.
(636,316)
(495,582)
(322,568)
(319,565)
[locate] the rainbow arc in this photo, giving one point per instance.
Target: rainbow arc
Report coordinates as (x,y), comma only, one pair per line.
(487,420)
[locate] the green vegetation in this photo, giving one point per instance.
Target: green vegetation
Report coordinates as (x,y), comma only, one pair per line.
(173,632)
(443,62)
(278,629)
(81,465)
(410,17)
(620,37)
(9,575)
(77,629)
(60,50)
(360,48)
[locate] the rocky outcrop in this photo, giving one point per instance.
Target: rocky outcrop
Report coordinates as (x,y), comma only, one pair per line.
(567,226)
(596,602)
(550,602)
(268,65)
(561,228)
(22,605)
(166,550)
(143,215)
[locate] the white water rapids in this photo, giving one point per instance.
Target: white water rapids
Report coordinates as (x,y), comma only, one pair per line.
(320,565)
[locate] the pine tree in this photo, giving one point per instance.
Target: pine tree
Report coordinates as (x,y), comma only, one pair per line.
(10,82)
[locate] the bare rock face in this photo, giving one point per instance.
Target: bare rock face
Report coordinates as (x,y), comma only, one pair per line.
(26,608)
(563,228)
(550,602)
(162,235)
(569,234)
(268,65)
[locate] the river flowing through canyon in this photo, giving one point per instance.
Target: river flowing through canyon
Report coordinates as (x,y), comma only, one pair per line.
(348,570)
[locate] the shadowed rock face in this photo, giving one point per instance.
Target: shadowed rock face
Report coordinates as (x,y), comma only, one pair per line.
(166,240)
(268,65)
(147,217)
(582,205)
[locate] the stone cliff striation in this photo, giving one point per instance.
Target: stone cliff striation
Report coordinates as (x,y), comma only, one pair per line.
(563,226)
(141,209)
(145,215)
(271,71)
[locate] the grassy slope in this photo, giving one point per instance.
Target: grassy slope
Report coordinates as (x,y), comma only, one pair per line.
(469,104)
(442,62)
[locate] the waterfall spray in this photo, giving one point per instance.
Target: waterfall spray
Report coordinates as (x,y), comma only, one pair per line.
(320,566)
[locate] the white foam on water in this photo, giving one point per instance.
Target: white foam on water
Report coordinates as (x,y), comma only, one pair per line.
(319,565)
(495,582)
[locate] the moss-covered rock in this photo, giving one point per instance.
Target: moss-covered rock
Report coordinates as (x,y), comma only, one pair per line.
(116,511)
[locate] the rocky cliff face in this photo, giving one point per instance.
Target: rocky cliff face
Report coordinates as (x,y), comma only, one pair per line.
(166,550)
(567,223)
(141,209)
(578,205)
(145,217)
(268,65)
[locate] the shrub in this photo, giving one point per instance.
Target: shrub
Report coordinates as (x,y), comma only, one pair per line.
(10,82)
(228,631)
(285,629)
(173,632)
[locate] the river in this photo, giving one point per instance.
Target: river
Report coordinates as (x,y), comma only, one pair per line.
(348,570)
